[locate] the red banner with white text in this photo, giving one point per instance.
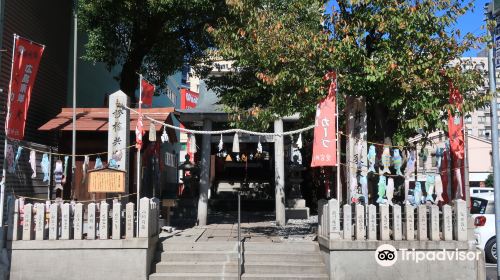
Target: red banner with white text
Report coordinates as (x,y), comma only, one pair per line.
(25,64)
(324,145)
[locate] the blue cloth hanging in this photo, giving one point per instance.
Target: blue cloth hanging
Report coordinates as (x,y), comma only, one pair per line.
(45,167)
(16,160)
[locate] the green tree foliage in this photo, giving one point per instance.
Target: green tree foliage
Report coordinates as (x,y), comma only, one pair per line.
(489,181)
(400,55)
(155,38)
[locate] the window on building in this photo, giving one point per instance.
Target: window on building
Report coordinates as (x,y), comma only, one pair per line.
(468,119)
(469,131)
(481,119)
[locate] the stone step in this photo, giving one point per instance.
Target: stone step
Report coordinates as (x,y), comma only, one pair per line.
(189,275)
(193,256)
(283,276)
(305,257)
(199,246)
(281,247)
(198,267)
(284,268)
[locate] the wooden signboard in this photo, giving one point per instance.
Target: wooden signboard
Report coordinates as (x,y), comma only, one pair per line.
(106,181)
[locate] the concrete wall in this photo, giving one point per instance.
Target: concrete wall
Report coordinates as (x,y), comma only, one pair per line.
(361,264)
(82,259)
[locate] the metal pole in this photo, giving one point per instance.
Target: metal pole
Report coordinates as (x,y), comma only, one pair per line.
(339,141)
(138,156)
(50,173)
(4,171)
(466,167)
(494,140)
(73,136)
(239,235)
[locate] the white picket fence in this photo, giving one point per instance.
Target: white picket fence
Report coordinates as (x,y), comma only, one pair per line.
(421,222)
(64,221)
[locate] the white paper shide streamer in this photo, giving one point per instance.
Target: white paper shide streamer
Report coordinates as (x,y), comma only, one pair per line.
(299,141)
(164,135)
(236,143)
(221,144)
(152,132)
(192,144)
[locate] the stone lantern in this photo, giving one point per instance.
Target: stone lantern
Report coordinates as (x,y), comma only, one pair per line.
(295,204)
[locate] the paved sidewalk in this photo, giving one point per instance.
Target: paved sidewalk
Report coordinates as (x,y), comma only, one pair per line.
(255,227)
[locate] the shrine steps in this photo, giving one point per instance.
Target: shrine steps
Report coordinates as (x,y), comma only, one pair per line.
(219,260)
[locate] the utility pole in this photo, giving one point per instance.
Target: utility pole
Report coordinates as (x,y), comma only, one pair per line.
(73,128)
(494,132)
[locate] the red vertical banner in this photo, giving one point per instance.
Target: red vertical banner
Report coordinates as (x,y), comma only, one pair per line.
(457,142)
(325,136)
(147,93)
(25,62)
(189,100)
(444,176)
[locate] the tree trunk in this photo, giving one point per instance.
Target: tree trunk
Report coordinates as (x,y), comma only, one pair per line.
(381,127)
(129,77)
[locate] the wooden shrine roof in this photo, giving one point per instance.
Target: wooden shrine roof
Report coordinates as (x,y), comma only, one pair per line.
(96,119)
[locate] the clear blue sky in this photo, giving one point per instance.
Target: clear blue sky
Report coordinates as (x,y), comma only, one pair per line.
(470,22)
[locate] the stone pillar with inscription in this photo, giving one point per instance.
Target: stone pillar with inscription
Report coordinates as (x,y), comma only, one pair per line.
(356,145)
(119,134)
(129,220)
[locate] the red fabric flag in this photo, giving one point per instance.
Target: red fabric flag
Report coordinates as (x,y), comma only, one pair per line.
(444,177)
(457,141)
(147,93)
(324,145)
(25,64)
(139,132)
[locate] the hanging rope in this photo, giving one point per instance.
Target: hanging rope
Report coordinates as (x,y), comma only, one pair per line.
(61,154)
(227,131)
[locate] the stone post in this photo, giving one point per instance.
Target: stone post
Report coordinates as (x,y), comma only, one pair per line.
(360,222)
(334,219)
(409,222)
(65,222)
(91,221)
(204,174)
(372,222)
(279,174)
(54,221)
(116,228)
(460,228)
(397,231)
(384,222)
(103,221)
(434,223)
(40,221)
(422,222)
(78,221)
(144,215)
(447,225)
(13,233)
(129,220)
(156,215)
(28,222)
(321,202)
(347,221)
